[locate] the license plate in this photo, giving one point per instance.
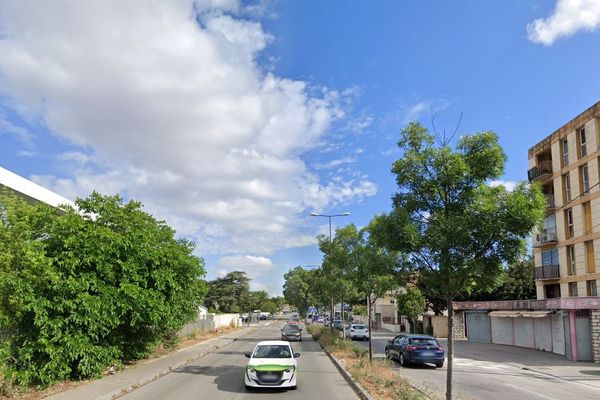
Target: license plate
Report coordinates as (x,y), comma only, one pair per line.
(427,353)
(270,376)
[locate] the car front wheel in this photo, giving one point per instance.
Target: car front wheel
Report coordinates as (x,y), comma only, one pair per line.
(439,364)
(402,362)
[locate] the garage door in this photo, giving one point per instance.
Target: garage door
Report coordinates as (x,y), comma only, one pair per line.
(478,327)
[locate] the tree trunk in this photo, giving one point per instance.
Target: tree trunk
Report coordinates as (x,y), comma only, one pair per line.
(369,325)
(450,349)
(331,317)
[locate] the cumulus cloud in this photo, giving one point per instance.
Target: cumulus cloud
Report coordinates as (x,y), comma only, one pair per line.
(509,185)
(167,104)
(254,266)
(569,17)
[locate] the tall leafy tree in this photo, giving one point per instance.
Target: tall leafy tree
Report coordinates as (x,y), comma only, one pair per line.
(370,269)
(230,293)
(297,288)
(81,290)
(457,228)
(412,304)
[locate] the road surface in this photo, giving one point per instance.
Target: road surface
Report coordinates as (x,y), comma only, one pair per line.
(489,371)
(219,376)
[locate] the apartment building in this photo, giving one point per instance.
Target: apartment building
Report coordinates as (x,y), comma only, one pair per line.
(567,250)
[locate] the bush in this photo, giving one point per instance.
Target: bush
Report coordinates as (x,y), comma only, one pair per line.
(83,290)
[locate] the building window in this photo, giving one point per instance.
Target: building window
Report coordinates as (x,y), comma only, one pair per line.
(592,290)
(571,260)
(581,142)
(569,233)
(566,181)
(573,289)
(550,257)
(587,217)
(565,152)
(589,256)
(584,179)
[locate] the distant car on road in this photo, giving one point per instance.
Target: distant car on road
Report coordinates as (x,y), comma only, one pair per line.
(358,331)
(338,324)
(291,332)
(320,320)
(418,349)
(272,364)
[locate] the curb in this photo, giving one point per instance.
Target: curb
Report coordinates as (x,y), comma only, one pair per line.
(358,389)
(362,392)
(120,392)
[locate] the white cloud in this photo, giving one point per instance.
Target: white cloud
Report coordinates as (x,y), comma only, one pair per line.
(167,100)
(335,163)
(20,133)
(254,266)
(569,17)
(75,156)
(509,185)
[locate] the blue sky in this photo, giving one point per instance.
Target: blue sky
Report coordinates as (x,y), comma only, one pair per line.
(233,121)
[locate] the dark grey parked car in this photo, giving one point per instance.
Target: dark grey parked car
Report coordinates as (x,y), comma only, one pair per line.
(291,332)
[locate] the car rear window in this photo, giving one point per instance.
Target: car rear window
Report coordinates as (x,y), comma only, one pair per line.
(272,351)
(423,341)
(359,326)
(291,328)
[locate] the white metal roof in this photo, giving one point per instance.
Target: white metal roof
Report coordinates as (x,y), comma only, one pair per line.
(30,189)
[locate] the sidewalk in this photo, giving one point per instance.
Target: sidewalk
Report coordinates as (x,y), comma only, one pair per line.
(113,386)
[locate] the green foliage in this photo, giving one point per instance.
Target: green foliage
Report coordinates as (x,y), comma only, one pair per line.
(359,310)
(230,294)
(297,288)
(83,290)
(458,230)
(412,303)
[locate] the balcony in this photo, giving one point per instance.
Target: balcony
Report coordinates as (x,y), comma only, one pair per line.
(546,236)
(546,272)
(542,169)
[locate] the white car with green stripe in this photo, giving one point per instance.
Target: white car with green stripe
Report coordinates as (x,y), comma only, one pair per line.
(273,363)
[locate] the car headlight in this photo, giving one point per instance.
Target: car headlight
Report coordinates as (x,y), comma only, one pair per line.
(290,369)
(250,369)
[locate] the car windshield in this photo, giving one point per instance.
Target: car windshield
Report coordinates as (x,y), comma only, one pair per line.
(272,351)
(359,327)
(291,328)
(424,342)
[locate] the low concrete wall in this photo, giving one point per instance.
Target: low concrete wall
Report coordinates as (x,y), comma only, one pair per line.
(391,327)
(210,322)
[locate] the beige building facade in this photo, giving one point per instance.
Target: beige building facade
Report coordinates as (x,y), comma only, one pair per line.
(567,249)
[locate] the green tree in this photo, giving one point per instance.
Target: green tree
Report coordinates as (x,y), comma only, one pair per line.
(412,304)
(81,290)
(458,230)
(297,289)
(230,293)
(370,269)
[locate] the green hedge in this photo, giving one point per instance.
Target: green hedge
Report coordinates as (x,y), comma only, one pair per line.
(82,290)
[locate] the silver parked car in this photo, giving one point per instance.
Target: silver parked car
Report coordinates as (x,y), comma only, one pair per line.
(358,331)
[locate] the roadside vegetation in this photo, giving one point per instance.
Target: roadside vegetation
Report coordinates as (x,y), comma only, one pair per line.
(452,233)
(377,377)
(84,291)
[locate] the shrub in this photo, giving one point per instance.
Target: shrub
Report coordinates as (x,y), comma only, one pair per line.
(81,290)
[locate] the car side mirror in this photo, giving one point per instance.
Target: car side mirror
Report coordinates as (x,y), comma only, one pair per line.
(300,329)
(249,355)
(296,355)
(390,342)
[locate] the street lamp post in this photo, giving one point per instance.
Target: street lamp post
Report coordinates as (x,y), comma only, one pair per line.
(329,216)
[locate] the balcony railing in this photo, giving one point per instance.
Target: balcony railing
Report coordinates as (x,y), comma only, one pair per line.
(548,235)
(549,200)
(547,272)
(543,168)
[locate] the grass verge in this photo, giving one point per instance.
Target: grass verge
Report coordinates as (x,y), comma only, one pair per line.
(377,378)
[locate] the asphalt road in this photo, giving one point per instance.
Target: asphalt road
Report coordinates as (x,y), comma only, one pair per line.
(488,371)
(219,376)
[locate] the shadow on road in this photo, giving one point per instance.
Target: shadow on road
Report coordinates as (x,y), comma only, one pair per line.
(229,378)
